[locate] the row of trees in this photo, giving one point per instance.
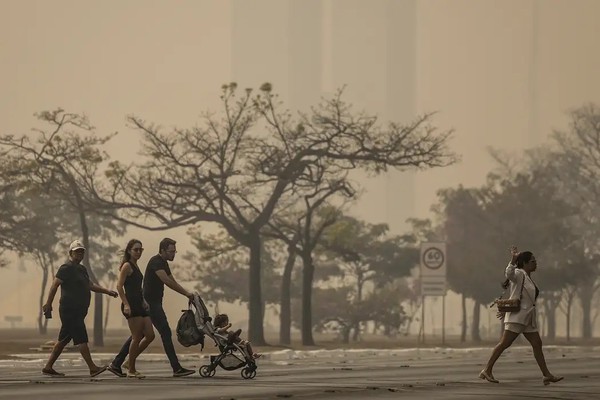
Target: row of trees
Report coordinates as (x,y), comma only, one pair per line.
(355,275)
(277,188)
(254,170)
(545,199)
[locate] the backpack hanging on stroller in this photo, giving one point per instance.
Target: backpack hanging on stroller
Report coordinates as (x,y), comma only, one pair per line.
(188,333)
(196,323)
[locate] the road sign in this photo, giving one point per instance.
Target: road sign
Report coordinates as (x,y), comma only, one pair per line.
(433,269)
(428,289)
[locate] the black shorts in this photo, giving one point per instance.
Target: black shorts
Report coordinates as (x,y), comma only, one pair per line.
(137,310)
(73,327)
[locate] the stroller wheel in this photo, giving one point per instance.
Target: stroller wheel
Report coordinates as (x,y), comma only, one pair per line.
(248,373)
(206,371)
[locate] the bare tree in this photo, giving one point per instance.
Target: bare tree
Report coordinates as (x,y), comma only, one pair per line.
(301,231)
(566,306)
(234,170)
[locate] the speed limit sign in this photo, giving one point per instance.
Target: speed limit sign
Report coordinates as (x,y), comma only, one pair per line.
(433,259)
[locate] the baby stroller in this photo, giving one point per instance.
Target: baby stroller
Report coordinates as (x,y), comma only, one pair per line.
(231,355)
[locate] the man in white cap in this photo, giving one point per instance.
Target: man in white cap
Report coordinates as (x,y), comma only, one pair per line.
(75,284)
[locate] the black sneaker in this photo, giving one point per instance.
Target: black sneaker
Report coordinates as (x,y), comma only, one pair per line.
(182,372)
(117,371)
(51,372)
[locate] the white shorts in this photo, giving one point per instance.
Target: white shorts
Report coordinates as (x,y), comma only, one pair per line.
(519,328)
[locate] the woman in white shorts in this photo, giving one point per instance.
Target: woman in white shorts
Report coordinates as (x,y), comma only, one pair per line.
(518,276)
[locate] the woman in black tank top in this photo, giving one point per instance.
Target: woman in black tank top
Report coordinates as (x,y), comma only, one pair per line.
(133,293)
(133,306)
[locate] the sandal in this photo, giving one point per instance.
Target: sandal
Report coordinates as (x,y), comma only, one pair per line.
(116,370)
(488,377)
(552,379)
(98,371)
(51,372)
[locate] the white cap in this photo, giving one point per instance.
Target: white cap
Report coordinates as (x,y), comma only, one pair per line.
(76,245)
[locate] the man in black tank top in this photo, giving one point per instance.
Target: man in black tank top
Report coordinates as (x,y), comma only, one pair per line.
(157,275)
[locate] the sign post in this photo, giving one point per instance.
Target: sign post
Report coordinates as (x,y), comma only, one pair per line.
(433,278)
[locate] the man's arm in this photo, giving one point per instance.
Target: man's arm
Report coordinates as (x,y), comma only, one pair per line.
(172,283)
(48,306)
(99,289)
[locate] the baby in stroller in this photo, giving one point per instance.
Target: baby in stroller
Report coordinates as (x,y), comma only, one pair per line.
(234,353)
(222,326)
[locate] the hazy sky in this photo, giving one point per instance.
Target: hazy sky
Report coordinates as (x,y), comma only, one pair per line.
(500,72)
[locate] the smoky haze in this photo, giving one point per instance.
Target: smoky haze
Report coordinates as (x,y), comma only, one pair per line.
(500,73)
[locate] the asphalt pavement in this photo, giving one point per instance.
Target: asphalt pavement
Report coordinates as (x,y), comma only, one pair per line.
(332,375)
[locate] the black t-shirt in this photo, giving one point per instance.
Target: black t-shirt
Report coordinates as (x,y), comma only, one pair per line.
(153,286)
(75,288)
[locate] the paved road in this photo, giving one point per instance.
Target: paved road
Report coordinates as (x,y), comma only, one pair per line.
(414,374)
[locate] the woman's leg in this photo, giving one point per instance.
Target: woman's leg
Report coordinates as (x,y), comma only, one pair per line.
(148,331)
(508,337)
(536,343)
(136,326)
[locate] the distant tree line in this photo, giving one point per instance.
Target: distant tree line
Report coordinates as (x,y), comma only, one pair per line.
(544,199)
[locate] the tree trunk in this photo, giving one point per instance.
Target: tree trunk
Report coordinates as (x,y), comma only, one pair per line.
(475,335)
(551,323)
(285,315)
(308,272)
(360,283)
(586,325)
(586,292)
(463,325)
(550,305)
(98,334)
(414,307)
(359,294)
(568,320)
(255,304)
(106,316)
(346,334)
(42,322)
